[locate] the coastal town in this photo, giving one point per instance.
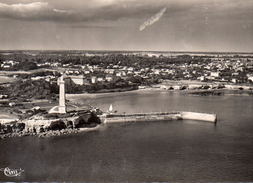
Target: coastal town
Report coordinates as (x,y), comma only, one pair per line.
(141,69)
(29,78)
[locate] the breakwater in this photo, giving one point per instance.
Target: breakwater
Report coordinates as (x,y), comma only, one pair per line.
(199,116)
(156,116)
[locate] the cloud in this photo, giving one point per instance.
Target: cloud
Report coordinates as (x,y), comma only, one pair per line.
(30,11)
(61,11)
(153,19)
(111,11)
(100,3)
(78,11)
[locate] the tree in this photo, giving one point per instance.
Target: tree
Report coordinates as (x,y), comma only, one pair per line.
(26,65)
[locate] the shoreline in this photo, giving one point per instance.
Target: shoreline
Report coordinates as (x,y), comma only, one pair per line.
(228,89)
(158,88)
(50,133)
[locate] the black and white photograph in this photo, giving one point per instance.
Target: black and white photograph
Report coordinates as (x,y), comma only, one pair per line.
(126,91)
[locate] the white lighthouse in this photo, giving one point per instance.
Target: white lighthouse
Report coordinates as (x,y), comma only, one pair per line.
(62,105)
(61,108)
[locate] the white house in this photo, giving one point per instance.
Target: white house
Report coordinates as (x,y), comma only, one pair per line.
(100,79)
(93,79)
(108,78)
(118,74)
(234,80)
(77,79)
(215,74)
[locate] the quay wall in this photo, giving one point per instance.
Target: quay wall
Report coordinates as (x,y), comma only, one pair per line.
(142,117)
(121,118)
(199,116)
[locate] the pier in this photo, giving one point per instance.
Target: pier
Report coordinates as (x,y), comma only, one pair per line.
(156,116)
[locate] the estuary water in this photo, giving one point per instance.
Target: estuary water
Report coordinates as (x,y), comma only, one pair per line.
(184,150)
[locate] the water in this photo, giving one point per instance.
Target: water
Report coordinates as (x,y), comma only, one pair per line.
(148,151)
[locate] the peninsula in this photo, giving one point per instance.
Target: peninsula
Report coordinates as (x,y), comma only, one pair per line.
(58,121)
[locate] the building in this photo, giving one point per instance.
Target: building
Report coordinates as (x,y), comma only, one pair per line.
(202,78)
(118,74)
(109,71)
(215,74)
(61,108)
(93,79)
(86,71)
(234,80)
(100,79)
(250,78)
(108,78)
(79,80)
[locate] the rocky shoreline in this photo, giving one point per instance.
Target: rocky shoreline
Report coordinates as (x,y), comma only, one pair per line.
(49,125)
(47,134)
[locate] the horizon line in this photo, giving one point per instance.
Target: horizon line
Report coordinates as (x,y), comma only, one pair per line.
(5,50)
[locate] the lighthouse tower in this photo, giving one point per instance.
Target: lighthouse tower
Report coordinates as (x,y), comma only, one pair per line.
(62,105)
(61,108)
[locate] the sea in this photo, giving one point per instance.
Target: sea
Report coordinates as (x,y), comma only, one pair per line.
(159,151)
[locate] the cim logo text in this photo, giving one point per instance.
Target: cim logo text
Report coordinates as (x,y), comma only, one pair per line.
(12,172)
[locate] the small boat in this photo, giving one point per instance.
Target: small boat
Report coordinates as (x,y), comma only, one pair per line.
(111,109)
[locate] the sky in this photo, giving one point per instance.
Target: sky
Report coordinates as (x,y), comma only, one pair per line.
(137,25)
